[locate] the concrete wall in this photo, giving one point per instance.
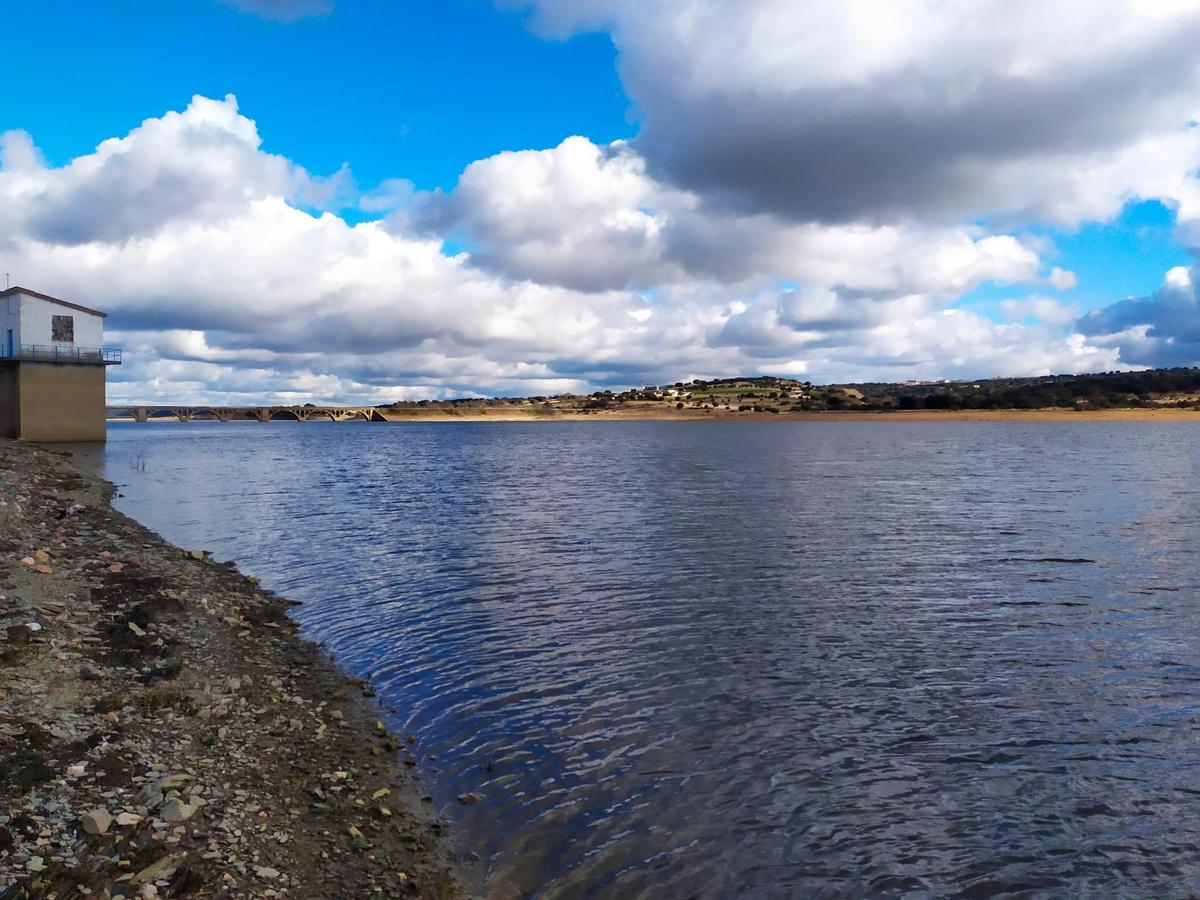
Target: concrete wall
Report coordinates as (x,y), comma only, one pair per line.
(35,324)
(52,402)
(10,420)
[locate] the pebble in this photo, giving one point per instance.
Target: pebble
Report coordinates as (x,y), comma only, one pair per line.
(178,811)
(97,821)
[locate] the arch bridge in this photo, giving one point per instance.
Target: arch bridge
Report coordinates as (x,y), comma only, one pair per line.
(244,413)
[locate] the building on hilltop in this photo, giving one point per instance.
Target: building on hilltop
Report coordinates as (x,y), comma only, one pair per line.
(52,365)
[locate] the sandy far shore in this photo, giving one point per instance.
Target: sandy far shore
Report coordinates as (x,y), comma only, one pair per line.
(658,414)
(691,415)
(166,732)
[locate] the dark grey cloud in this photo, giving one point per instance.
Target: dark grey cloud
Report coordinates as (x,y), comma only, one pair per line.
(859,154)
(1161,330)
(859,112)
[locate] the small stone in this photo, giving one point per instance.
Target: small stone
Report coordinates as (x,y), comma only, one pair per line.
(41,556)
(381,793)
(128,818)
(97,821)
(137,629)
(266,872)
(337,714)
(177,811)
(150,795)
(155,870)
(35,864)
(43,569)
(116,567)
(77,770)
(28,561)
(354,832)
(468,799)
(197,554)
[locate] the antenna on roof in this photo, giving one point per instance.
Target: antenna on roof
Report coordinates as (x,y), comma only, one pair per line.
(7,283)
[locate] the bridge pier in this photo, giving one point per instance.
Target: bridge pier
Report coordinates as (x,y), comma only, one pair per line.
(140,414)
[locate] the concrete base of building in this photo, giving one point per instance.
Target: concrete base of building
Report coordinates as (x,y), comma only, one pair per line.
(52,402)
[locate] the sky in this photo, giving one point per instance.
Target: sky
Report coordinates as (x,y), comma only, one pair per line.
(341,201)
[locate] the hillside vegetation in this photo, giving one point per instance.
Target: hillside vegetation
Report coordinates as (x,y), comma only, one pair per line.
(1160,388)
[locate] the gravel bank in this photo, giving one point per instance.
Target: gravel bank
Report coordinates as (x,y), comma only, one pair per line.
(164,732)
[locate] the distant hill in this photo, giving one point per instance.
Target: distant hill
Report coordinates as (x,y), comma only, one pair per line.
(1158,388)
(1108,390)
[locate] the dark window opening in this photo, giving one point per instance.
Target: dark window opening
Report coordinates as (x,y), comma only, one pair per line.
(62,329)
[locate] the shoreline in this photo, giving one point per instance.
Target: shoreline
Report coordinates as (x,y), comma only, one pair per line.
(166,732)
(652,414)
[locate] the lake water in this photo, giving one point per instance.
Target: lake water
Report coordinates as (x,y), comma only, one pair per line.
(763,659)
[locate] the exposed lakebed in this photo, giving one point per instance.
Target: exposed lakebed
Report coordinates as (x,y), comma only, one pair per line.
(771,658)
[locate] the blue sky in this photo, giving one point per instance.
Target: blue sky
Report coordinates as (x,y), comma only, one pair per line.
(410,88)
(1113,260)
(560,195)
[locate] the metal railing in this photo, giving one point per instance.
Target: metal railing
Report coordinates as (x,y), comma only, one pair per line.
(51,353)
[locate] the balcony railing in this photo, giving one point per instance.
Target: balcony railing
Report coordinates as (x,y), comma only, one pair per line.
(50,353)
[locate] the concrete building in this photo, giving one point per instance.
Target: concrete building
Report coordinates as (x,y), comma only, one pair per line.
(52,364)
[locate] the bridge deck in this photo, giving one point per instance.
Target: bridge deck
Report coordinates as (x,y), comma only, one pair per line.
(251,413)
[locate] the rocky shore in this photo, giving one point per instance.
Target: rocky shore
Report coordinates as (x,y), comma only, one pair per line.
(164,732)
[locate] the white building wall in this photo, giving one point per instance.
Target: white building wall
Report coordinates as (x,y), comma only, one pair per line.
(10,318)
(35,326)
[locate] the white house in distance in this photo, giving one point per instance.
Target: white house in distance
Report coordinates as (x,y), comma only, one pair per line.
(52,363)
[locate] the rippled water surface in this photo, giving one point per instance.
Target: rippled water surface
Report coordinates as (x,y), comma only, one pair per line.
(768,659)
